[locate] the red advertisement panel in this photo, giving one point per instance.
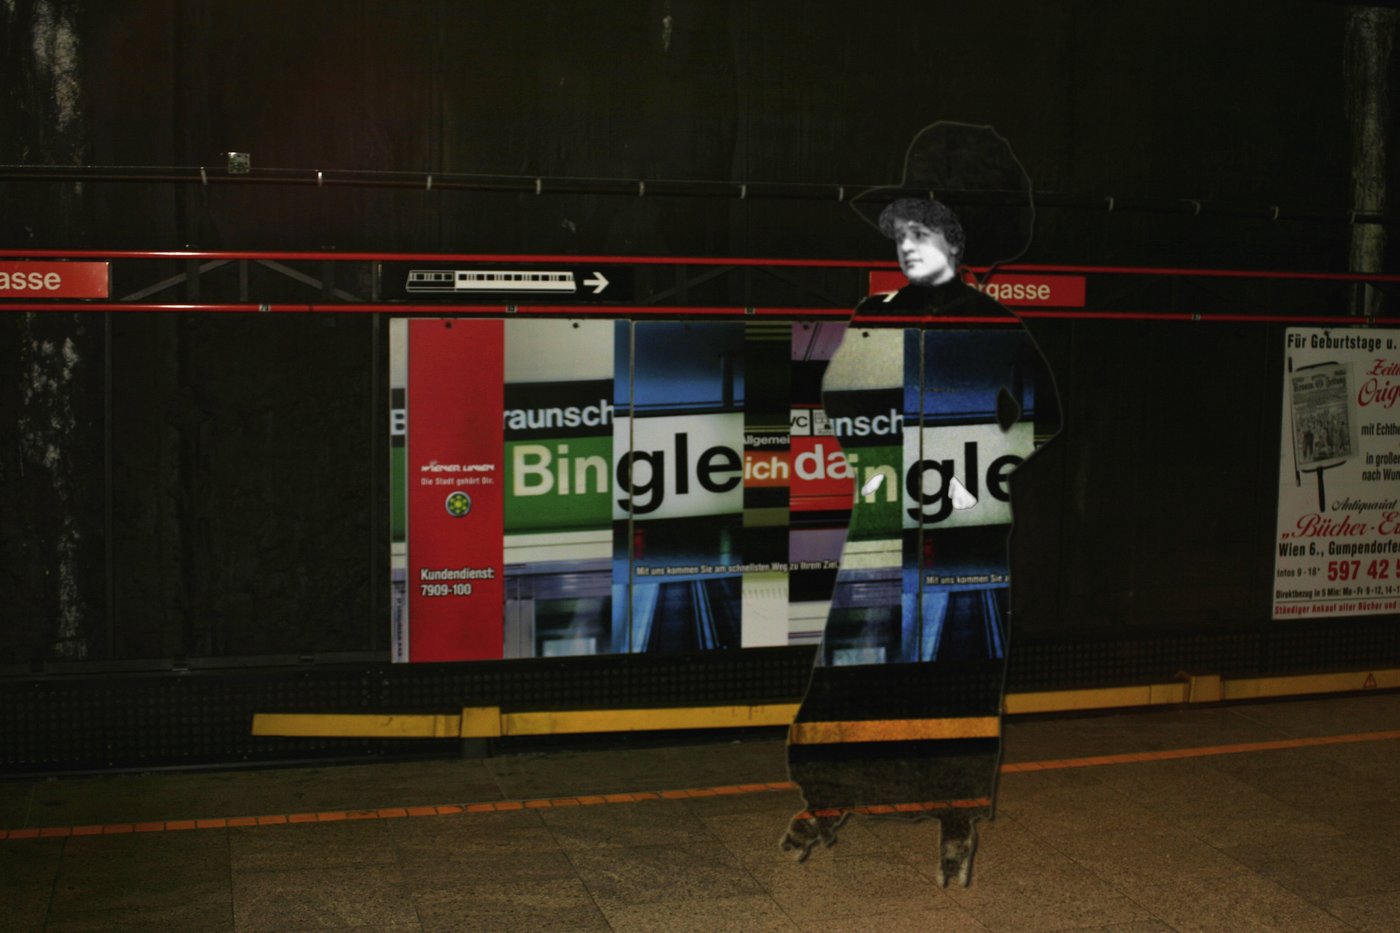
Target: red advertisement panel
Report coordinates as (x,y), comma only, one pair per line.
(30,279)
(455,485)
(1015,290)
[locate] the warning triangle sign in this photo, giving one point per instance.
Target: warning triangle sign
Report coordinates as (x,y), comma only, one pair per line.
(1370,682)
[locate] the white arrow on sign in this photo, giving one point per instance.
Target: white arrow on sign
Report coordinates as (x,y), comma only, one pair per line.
(598,281)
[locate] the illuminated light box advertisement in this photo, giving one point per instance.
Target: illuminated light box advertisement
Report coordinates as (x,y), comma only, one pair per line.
(643,506)
(558,429)
(1338,548)
(820,484)
(679,509)
(632,487)
(446,470)
(767,490)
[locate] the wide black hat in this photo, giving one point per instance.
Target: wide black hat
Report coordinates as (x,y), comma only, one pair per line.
(974,171)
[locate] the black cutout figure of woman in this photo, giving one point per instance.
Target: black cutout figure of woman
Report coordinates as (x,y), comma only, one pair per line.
(936,394)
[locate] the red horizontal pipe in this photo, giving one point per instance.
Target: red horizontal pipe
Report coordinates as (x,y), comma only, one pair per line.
(1202,273)
(940,318)
(562,259)
(104,307)
(553,259)
(633,311)
(500,310)
(1218,318)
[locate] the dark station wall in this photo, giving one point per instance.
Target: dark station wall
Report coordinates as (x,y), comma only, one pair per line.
(1238,102)
(184,488)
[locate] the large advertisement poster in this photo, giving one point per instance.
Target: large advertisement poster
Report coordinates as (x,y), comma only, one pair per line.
(565,488)
(1338,548)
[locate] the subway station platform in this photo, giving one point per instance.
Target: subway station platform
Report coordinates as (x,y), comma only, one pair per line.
(1269,816)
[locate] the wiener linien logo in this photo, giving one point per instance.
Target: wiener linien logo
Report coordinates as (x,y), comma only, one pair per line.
(458,504)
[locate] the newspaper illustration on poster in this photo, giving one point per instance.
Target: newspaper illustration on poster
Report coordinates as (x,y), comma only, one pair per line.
(1338,548)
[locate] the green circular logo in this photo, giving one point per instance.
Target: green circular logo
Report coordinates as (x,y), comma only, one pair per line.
(458,504)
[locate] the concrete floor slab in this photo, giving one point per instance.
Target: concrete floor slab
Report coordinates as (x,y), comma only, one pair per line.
(1294,838)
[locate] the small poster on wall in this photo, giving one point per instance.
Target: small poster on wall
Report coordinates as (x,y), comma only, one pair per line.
(1338,548)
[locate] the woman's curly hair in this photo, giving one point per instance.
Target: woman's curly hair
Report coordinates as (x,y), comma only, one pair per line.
(932,214)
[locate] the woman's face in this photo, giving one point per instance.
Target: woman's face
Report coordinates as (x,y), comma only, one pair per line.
(924,254)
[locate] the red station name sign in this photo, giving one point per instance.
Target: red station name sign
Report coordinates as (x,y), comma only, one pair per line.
(33,279)
(1018,290)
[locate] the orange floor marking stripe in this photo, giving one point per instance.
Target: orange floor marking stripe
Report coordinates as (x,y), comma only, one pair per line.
(544,803)
(1203,751)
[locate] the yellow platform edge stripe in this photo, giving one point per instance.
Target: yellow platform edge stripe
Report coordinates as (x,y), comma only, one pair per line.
(490,722)
(358,725)
(646,720)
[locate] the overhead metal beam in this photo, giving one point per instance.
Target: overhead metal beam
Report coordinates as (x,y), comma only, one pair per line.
(695,188)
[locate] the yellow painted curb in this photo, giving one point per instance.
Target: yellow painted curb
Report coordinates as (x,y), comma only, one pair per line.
(490,722)
(1298,685)
(1068,701)
(359,725)
(1199,689)
(481,722)
(646,720)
